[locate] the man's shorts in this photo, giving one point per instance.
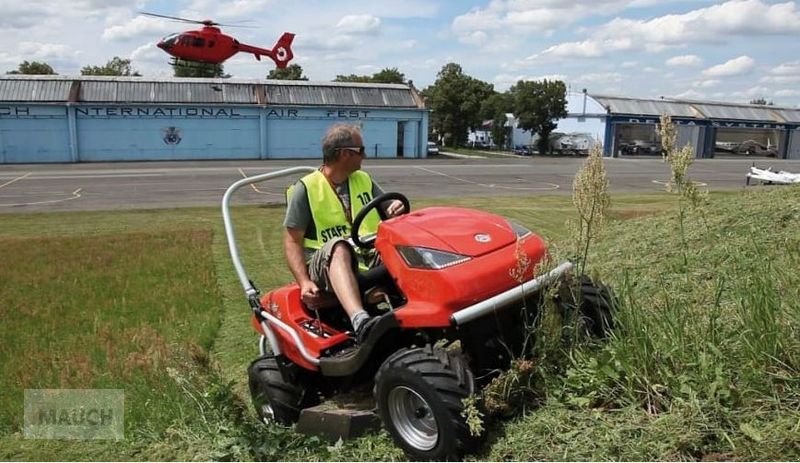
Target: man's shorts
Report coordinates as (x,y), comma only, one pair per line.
(320,263)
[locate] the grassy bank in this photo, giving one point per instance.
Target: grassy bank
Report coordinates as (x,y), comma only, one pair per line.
(704,363)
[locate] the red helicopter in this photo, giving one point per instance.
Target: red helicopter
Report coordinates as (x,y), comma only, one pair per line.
(209,45)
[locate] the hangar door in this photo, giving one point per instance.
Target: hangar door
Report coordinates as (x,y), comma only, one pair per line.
(794,145)
(158,139)
(34,140)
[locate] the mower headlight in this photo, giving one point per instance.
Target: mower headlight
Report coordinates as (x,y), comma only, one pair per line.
(430,258)
(520,230)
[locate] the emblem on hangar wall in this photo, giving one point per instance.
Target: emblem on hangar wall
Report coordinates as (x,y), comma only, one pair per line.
(172,136)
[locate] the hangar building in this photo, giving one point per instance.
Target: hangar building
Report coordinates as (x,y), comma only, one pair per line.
(627,126)
(91,118)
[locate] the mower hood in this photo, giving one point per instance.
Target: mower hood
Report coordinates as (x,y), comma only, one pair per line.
(463,231)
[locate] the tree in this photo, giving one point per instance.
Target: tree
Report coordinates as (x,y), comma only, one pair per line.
(353,78)
(762,101)
(537,105)
(389,76)
(384,76)
(495,108)
(33,68)
(191,69)
(116,67)
(455,100)
(290,72)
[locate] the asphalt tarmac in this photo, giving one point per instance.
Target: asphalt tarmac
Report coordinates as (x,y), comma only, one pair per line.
(145,185)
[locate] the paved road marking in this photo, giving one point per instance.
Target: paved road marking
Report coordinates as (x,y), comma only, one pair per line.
(669,183)
(16,179)
(552,186)
(75,195)
(255,188)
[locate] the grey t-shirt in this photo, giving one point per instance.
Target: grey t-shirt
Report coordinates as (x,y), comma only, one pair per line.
(298,210)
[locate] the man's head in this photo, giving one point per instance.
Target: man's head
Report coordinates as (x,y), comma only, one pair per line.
(342,144)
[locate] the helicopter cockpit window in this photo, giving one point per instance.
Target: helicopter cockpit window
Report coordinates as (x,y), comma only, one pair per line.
(170,39)
(199,42)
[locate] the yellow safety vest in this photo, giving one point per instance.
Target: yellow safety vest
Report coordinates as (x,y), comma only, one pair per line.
(328,212)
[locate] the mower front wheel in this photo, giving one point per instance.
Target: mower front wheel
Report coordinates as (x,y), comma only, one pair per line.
(419,394)
(275,400)
(594,303)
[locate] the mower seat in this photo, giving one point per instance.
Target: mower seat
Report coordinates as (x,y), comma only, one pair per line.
(366,281)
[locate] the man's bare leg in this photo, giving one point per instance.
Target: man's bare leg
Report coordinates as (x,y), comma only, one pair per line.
(343,280)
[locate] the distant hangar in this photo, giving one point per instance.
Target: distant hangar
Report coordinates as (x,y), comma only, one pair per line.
(90,118)
(627,126)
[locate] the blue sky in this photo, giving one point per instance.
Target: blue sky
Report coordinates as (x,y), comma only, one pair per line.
(716,50)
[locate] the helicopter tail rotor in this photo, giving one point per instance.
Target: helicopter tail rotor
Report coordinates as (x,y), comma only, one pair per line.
(282,51)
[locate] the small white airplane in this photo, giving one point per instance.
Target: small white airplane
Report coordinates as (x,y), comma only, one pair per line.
(769,176)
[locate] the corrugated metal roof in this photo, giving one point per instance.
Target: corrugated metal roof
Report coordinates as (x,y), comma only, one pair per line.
(341,96)
(394,97)
(789,115)
(34,90)
(640,107)
(743,112)
(103,89)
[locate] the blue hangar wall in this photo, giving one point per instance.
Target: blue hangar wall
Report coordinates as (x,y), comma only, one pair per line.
(38,132)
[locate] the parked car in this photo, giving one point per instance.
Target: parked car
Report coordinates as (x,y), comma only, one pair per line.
(433,149)
(754,148)
(640,147)
(523,150)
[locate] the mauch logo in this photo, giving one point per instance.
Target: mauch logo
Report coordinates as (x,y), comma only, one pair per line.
(74,414)
(483,238)
(172,136)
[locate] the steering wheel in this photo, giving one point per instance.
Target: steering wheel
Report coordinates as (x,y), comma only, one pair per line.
(369,243)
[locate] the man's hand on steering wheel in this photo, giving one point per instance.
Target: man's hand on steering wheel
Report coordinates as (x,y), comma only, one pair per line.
(392,210)
(395,208)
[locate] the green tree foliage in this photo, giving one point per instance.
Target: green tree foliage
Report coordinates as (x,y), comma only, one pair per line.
(389,76)
(353,78)
(537,105)
(384,76)
(116,67)
(762,101)
(191,69)
(495,108)
(290,72)
(33,68)
(455,100)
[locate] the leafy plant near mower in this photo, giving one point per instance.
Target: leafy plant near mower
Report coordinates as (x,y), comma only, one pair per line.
(452,314)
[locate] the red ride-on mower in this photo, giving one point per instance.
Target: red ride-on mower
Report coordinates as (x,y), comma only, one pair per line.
(446,274)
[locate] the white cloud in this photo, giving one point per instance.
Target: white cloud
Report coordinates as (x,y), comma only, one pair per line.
(45,51)
(684,60)
(752,92)
(600,77)
(781,80)
(707,83)
(690,94)
(140,26)
(785,73)
(734,67)
(787,69)
(713,24)
(540,17)
(476,38)
(787,93)
(359,24)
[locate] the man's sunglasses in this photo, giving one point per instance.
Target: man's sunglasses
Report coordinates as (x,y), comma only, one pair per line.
(357,149)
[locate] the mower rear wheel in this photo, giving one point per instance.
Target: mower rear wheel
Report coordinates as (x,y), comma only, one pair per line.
(275,400)
(596,304)
(419,393)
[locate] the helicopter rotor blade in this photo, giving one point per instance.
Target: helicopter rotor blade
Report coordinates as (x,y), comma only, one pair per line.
(175,18)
